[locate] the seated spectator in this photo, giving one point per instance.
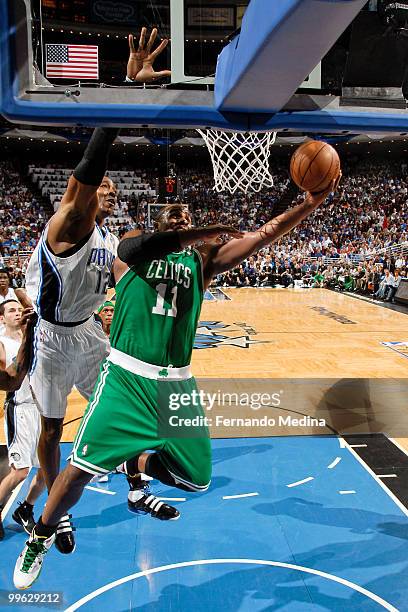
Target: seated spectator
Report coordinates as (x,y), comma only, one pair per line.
(318,280)
(392,286)
(386,281)
(286,278)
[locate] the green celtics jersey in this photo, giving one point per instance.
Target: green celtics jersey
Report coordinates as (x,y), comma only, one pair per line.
(158,304)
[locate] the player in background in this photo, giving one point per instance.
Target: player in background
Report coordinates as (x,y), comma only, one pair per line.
(13,376)
(105,313)
(8,291)
(67,279)
(150,344)
(22,424)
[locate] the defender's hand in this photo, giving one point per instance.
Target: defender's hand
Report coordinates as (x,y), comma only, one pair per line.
(140,64)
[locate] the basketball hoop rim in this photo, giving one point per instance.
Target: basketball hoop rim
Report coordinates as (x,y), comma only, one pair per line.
(240,159)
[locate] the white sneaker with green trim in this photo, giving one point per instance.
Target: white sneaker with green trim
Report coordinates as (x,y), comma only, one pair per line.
(29,563)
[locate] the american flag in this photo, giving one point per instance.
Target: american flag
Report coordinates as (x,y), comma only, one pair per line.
(72,62)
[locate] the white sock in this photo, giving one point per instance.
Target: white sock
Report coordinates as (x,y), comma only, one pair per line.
(134,496)
(122,468)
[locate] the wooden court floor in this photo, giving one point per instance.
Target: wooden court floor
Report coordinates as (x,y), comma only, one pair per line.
(292,334)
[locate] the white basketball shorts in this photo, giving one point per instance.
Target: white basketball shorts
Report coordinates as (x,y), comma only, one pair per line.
(65,357)
(22,426)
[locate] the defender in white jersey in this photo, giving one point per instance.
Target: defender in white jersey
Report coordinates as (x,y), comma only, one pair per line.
(67,279)
(69,344)
(21,423)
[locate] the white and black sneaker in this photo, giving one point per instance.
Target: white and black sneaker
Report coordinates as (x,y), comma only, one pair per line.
(23,515)
(64,539)
(142,501)
(29,563)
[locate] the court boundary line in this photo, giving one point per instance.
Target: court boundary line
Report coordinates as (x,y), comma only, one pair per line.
(307,570)
(12,499)
(390,494)
(398,445)
(368,300)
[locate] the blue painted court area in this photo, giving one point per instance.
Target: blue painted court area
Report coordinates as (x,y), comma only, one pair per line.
(332,540)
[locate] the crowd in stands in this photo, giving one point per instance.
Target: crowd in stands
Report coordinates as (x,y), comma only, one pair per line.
(22,216)
(346,244)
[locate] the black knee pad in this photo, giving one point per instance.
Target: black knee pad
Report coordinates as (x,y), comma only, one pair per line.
(156,469)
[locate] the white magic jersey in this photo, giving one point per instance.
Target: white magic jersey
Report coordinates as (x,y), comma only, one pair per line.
(68,288)
(23,394)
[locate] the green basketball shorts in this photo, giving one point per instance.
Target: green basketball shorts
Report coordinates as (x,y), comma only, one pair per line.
(128,414)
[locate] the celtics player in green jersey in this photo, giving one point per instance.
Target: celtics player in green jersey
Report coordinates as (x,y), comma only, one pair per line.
(160,282)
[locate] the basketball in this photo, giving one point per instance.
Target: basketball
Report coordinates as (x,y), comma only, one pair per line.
(314,165)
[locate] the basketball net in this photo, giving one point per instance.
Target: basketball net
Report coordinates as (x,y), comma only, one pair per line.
(240,159)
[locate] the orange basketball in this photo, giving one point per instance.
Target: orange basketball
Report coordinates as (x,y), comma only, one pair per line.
(314,165)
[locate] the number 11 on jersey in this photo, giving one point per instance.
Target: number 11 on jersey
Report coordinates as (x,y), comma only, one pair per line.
(159,309)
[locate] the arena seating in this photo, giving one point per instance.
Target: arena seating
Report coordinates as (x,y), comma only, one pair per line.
(356,235)
(52,182)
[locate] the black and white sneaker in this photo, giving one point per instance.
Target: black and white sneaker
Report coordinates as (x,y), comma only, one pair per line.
(64,538)
(24,516)
(142,501)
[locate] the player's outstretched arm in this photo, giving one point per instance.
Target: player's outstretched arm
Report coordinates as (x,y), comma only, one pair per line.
(21,295)
(12,377)
(76,215)
(229,255)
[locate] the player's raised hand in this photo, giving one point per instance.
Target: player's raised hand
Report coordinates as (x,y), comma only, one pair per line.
(318,198)
(140,63)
